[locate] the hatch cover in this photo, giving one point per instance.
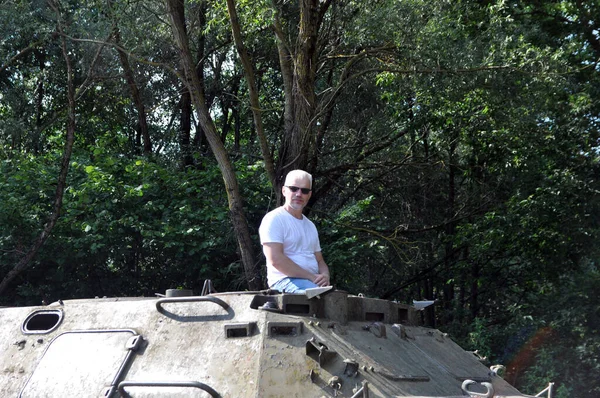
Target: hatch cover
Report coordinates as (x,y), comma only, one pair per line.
(84,363)
(449,356)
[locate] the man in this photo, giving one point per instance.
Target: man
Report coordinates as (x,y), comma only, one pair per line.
(290,240)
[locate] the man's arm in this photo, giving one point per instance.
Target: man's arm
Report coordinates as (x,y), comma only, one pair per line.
(322,278)
(274,254)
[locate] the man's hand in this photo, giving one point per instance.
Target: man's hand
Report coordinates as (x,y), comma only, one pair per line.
(321,280)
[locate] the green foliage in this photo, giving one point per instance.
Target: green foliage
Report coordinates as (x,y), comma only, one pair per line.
(120,217)
(480,339)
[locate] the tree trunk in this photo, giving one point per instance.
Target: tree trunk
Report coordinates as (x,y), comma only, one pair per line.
(185,128)
(296,142)
(253,91)
(287,74)
(299,76)
(177,19)
(39,101)
(450,228)
(228,103)
(135,93)
(474,302)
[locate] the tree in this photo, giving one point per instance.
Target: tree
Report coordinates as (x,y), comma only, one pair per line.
(177,19)
(25,261)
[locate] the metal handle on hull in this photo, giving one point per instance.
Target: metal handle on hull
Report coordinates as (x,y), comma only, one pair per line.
(193,384)
(489,387)
(214,300)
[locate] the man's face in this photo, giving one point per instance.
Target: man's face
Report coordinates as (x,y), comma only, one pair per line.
(296,200)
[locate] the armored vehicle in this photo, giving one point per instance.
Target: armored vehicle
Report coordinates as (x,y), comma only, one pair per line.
(242,344)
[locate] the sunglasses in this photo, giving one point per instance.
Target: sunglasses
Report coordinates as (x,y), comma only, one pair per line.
(292,188)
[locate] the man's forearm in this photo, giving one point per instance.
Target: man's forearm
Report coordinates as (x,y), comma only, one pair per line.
(287,267)
(322,278)
(323,268)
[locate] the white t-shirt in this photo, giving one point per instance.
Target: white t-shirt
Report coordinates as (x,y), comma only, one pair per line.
(299,237)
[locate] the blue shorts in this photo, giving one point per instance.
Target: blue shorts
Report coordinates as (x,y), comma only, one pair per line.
(293,285)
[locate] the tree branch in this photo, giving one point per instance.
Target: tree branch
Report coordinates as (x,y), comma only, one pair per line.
(253,91)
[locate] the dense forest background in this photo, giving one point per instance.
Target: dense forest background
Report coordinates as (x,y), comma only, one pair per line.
(454,147)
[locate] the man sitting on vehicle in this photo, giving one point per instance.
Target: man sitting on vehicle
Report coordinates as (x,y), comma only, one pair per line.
(291,242)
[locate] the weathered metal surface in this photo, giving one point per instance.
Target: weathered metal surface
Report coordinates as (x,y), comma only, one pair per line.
(227,345)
